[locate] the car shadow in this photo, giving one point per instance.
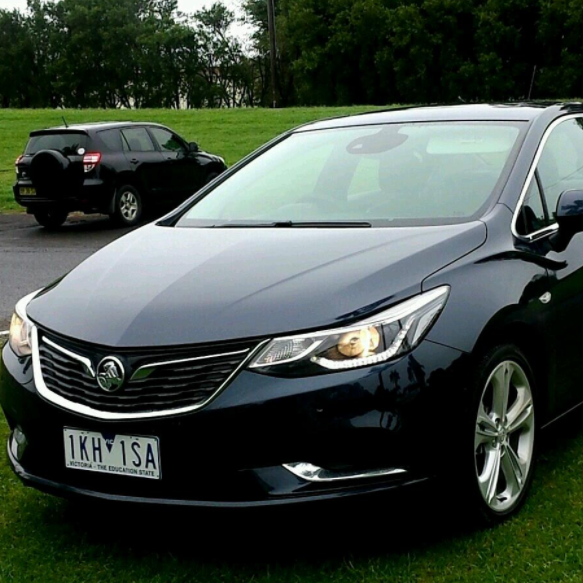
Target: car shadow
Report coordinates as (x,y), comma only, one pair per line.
(83,228)
(89,224)
(310,532)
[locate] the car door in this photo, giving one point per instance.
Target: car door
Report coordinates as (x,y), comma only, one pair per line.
(560,168)
(186,175)
(145,160)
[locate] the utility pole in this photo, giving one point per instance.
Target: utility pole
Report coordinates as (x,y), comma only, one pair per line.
(272,49)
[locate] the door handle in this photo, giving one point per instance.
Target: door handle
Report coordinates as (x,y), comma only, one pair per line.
(134,161)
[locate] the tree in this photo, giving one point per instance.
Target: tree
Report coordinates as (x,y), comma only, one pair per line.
(17,86)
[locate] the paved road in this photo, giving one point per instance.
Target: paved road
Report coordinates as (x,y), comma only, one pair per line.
(31,257)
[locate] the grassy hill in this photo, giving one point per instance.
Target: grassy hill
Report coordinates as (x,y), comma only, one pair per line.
(229,133)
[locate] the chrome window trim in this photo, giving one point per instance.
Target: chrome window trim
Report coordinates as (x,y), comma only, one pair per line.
(550,228)
(64,403)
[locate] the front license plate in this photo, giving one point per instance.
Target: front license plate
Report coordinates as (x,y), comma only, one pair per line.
(127,455)
(27,191)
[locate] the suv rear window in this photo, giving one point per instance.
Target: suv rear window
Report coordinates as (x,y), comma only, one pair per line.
(66,143)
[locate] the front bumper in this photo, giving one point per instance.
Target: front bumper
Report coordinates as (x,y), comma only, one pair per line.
(233,451)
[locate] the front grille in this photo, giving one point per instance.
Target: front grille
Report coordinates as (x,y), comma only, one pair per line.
(156,381)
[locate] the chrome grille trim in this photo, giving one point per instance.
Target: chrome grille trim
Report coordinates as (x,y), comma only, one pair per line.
(84,361)
(146,370)
(88,411)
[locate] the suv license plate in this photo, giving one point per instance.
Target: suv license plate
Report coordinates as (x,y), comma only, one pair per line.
(27,191)
(107,453)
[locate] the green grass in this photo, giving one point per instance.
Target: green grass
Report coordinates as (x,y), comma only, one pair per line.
(229,133)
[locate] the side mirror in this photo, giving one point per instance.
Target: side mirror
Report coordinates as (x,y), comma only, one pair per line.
(193,147)
(570,211)
(569,217)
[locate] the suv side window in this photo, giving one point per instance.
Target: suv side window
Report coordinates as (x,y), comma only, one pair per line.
(112,139)
(560,166)
(167,141)
(138,140)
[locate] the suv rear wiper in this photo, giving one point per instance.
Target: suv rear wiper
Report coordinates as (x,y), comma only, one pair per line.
(295,224)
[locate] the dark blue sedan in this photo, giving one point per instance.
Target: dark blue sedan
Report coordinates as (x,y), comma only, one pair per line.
(362,304)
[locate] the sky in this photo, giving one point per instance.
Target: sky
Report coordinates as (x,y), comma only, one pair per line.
(183,5)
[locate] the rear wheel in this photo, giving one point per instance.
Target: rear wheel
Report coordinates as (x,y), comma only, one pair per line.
(52,219)
(127,206)
(504,434)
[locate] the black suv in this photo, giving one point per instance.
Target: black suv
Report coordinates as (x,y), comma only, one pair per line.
(118,169)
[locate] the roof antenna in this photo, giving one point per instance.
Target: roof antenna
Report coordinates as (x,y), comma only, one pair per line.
(64,121)
(531,83)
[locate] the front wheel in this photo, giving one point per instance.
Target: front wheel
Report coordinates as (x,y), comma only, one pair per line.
(504,433)
(52,219)
(127,207)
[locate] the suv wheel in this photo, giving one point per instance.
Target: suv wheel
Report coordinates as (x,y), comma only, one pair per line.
(51,219)
(503,434)
(127,206)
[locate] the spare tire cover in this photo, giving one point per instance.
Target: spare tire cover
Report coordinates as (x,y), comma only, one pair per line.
(54,175)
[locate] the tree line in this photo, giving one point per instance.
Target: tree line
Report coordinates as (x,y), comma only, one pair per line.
(122,53)
(144,53)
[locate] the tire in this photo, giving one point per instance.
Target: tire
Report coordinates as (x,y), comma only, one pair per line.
(54,175)
(500,467)
(52,219)
(127,207)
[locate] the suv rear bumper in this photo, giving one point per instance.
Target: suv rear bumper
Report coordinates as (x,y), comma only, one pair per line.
(95,195)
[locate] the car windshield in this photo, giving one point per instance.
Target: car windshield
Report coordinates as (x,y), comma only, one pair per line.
(386,175)
(66,143)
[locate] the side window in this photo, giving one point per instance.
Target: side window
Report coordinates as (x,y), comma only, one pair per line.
(167,140)
(561,163)
(533,216)
(112,139)
(138,140)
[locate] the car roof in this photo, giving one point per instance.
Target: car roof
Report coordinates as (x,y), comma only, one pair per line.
(93,127)
(526,112)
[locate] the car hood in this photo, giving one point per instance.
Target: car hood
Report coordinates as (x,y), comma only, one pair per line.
(212,157)
(162,286)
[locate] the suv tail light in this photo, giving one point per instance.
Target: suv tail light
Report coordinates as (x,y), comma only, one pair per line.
(16,165)
(90,160)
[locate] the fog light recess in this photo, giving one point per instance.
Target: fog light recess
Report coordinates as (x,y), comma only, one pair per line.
(18,443)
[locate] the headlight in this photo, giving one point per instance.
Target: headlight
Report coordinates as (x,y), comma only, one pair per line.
(378,339)
(20,328)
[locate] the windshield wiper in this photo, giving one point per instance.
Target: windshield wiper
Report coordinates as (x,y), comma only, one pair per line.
(295,224)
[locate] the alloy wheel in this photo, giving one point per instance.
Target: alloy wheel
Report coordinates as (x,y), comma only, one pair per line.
(128,205)
(504,436)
